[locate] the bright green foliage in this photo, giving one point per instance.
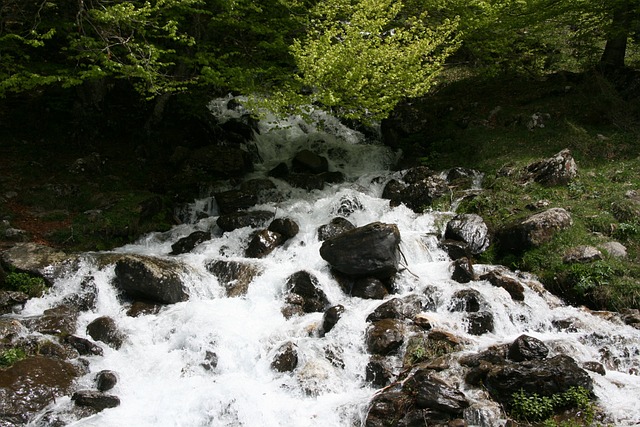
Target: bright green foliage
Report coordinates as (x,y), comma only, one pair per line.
(363,57)
(533,408)
(10,356)
(23,282)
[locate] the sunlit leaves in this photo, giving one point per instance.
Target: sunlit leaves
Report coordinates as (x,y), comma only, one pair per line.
(363,57)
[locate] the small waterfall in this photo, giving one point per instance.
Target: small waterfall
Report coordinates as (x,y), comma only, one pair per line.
(165,368)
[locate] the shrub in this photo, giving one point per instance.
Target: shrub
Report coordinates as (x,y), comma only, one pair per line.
(10,356)
(24,282)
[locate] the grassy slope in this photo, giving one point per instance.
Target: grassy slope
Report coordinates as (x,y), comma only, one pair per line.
(601,127)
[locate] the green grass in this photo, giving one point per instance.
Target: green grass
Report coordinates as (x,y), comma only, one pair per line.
(601,129)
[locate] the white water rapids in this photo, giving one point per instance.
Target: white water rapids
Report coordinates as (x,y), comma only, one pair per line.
(161,378)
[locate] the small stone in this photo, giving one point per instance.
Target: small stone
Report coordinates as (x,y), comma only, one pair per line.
(106,380)
(95,400)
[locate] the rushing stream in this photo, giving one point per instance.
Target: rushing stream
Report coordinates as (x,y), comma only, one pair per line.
(164,382)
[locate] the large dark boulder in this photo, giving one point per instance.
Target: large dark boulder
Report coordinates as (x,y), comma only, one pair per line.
(534,230)
(30,385)
(470,229)
(396,308)
(234,276)
(557,170)
(36,259)
(370,251)
(336,226)
(286,227)
(186,244)
(544,377)
(150,278)
(309,162)
(527,348)
(420,400)
(235,200)
(233,221)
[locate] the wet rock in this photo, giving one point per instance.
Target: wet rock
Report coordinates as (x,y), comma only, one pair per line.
(35,259)
(347,206)
(433,393)
(336,227)
(10,329)
(280,171)
(307,287)
(393,191)
(264,190)
(307,161)
(83,346)
(596,367)
(286,227)
(286,358)
(12,300)
(422,399)
(534,230)
(455,249)
(470,229)
(480,323)
(95,400)
(384,336)
(331,317)
(527,348)
(186,244)
(263,243)
(235,276)
(369,288)
(502,280)
(582,254)
(60,320)
(397,308)
(210,361)
(30,385)
(615,249)
(557,170)
(468,300)
(53,350)
(369,251)
(418,174)
(154,279)
(378,371)
(240,130)
(235,200)
(420,195)
(106,380)
(140,308)
(544,377)
(463,271)
(233,221)
(85,299)
(104,329)
(306,181)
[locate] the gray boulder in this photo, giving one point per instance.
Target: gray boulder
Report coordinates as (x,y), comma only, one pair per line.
(470,229)
(557,170)
(534,230)
(369,251)
(151,278)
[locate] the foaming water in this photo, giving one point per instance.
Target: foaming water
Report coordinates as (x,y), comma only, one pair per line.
(166,377)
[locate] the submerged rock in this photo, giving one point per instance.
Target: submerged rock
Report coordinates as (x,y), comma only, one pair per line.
(286,358)
(335,227)
(307,288)
(369,251)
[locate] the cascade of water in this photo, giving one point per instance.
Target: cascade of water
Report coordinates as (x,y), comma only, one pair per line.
(164,377)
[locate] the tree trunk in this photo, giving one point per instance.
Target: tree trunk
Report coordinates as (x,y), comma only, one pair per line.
(616,47)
